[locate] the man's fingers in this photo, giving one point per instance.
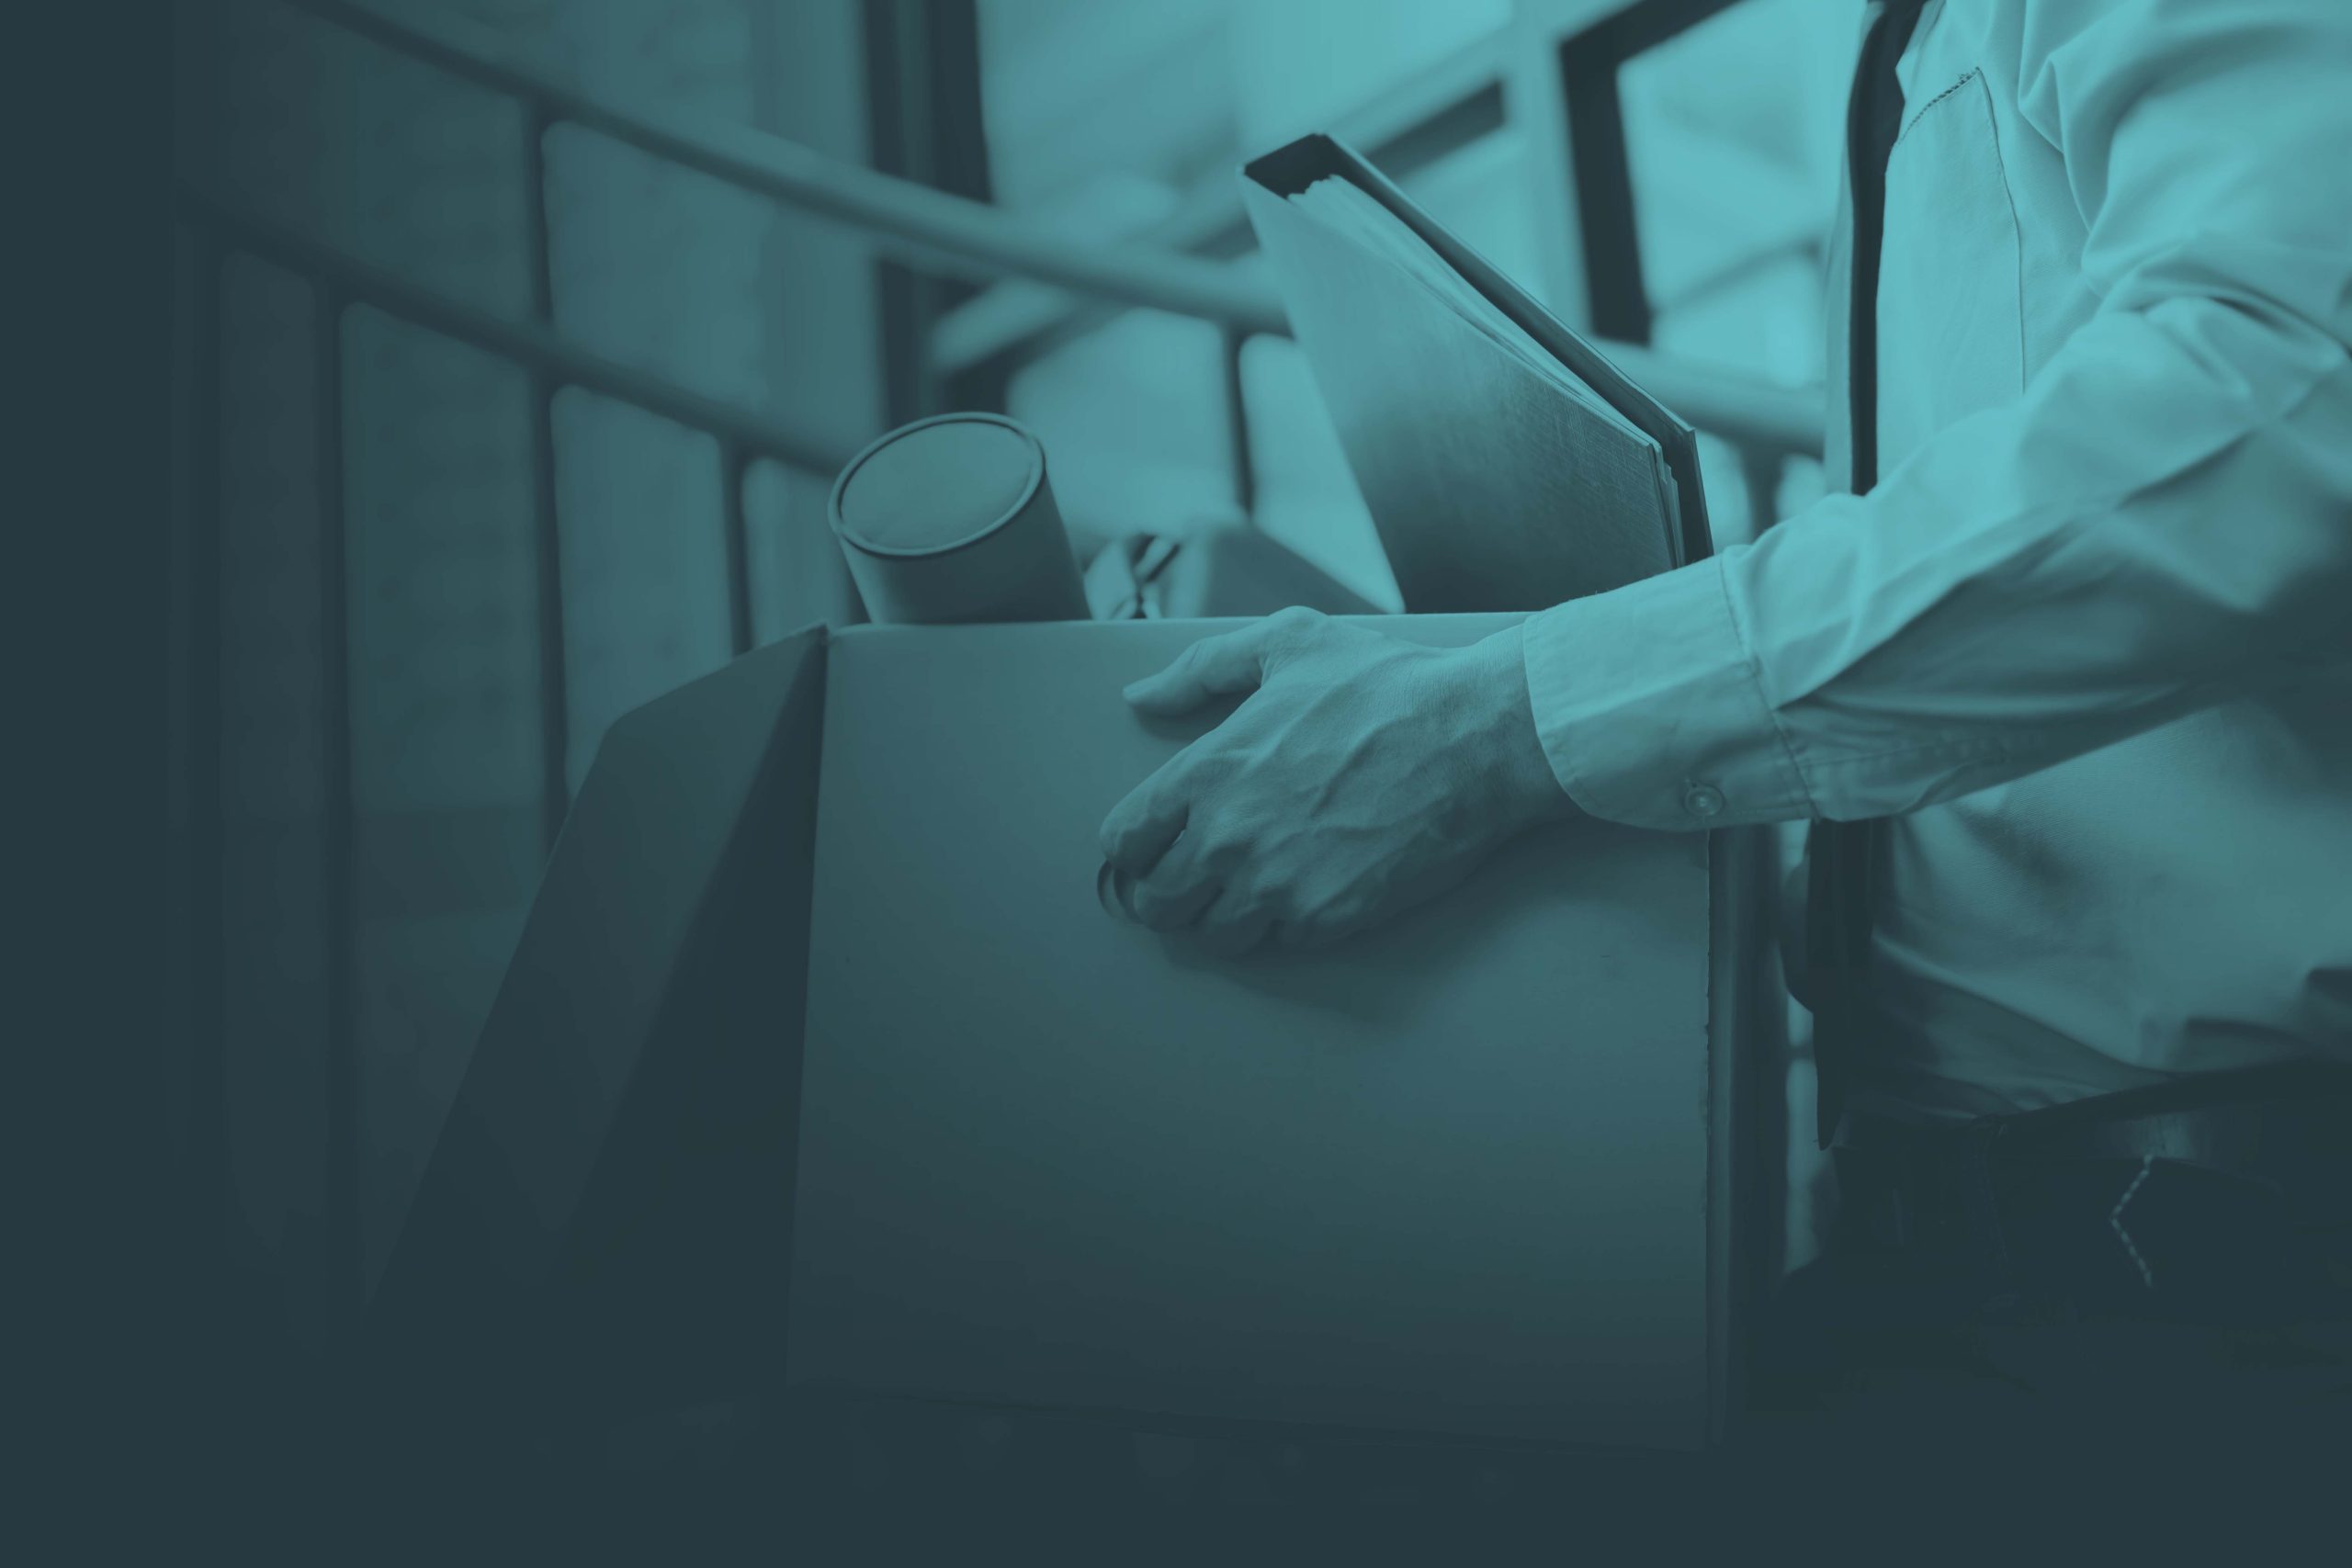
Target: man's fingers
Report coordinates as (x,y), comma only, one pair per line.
(1231,925)
(1216,667)
(1140,828)
(1172,894)
(1213,667)
(1167,904)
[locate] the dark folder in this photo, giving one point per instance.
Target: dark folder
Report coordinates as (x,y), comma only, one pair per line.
(1447,556)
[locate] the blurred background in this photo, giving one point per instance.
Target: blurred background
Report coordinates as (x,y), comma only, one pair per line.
(519,341)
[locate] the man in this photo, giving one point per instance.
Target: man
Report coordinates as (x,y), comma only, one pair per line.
(2065,686)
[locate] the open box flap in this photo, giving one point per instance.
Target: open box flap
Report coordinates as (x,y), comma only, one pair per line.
(613,1170)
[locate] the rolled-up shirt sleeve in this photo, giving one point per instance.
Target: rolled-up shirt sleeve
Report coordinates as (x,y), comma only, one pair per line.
(2161,522)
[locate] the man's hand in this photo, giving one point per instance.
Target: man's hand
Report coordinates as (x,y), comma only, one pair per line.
(1363,774)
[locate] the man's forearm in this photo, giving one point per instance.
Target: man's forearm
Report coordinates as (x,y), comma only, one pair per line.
(1876,656)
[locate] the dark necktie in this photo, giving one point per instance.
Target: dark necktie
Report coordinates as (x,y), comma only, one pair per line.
(1843,855)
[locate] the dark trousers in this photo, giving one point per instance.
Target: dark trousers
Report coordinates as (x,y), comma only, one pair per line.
(2089,1319)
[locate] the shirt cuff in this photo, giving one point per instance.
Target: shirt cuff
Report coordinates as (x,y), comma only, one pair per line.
(1649,705)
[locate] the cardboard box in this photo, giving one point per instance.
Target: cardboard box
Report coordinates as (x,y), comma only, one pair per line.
(820,1069)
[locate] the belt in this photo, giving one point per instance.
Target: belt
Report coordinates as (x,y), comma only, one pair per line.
(2287,1128)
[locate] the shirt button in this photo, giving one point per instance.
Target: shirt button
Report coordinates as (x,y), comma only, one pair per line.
(1703,800)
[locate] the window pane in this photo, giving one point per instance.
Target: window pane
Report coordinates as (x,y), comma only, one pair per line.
(1305,64)
(1100,113)
(1105,120)
(1132,418)
(1306,495)
(1733,131)
(644,561)
(1482,194)
(1104,115)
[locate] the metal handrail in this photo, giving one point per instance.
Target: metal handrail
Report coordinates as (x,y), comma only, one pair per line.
(971,239)
(911,221)
(1444,104)
(524,343)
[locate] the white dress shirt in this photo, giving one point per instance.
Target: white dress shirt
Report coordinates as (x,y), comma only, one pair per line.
(2088,643)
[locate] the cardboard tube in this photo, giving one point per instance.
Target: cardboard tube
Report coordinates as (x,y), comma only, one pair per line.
(951,519)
